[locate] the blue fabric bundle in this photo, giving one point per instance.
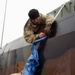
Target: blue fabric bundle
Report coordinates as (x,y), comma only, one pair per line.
(32,62)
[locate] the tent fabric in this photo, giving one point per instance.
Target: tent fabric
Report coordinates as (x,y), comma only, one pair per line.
(32,62)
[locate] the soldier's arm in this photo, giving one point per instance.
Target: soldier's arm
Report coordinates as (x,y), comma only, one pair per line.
(49,21)
(29,35)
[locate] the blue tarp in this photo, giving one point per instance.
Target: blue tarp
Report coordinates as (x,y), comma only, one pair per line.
(32,62)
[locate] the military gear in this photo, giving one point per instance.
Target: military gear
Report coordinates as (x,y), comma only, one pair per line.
(31,30)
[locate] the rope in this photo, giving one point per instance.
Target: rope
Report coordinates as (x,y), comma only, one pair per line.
(59,11)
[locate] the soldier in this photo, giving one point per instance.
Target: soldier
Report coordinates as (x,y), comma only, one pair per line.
(37,26)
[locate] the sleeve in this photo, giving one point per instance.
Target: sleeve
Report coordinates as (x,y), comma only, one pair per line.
(29,34)
(49,20)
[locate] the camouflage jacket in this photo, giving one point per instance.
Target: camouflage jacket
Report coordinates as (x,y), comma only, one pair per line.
(31,31)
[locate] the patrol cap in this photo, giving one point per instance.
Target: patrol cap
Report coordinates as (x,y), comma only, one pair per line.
(33,13)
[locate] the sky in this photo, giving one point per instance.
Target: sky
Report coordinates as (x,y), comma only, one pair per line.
(17,15)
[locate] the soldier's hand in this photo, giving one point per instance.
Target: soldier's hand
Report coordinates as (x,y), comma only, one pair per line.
(41,35)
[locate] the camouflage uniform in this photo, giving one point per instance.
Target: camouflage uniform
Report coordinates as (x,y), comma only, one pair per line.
(31,31)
